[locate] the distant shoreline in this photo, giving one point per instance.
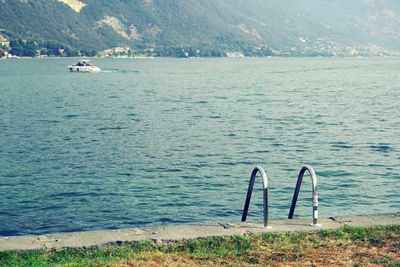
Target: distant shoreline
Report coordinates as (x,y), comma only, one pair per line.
(151,57)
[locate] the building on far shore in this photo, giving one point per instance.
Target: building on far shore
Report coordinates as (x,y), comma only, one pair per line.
(4,45)
(235,54)
(4,41)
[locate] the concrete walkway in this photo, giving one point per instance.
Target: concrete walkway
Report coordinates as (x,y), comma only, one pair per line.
(176,233)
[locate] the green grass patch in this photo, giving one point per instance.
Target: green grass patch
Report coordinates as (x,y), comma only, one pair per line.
(218,246)
(347,245)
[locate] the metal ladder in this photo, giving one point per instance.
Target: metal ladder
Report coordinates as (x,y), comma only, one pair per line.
(294,201)
(314,194)
(265,194)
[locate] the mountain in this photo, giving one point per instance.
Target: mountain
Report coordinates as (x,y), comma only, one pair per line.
(309,27)
(329,26)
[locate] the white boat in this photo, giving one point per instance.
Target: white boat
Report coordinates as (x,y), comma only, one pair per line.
(83,66)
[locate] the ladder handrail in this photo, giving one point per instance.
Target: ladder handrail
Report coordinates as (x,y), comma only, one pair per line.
(265,194)
(314,193)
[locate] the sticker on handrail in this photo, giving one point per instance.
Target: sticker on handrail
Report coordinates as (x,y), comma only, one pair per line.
(315,200)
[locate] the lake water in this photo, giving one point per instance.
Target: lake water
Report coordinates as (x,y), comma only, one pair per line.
(173,141)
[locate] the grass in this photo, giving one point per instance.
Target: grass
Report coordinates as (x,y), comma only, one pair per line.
(346,246)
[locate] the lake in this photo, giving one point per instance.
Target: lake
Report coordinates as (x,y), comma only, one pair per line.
(165,141)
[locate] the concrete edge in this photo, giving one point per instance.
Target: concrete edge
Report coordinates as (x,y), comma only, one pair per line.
(179,233)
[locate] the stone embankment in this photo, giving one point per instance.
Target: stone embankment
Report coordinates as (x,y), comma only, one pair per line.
(177,233)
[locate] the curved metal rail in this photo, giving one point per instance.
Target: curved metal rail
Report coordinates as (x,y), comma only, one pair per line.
(314,193)
(265,194)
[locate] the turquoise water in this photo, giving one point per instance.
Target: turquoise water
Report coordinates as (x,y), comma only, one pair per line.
(172,141)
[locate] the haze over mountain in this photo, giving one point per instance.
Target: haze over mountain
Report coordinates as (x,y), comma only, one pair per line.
(330,27)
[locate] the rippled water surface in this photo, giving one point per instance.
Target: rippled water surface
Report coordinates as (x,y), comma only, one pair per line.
(166,141)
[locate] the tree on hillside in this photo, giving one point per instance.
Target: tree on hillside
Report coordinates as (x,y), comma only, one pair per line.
(23,48)
(88,52)
(71,52)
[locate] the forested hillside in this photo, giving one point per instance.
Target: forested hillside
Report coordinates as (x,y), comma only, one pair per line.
(311,27)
